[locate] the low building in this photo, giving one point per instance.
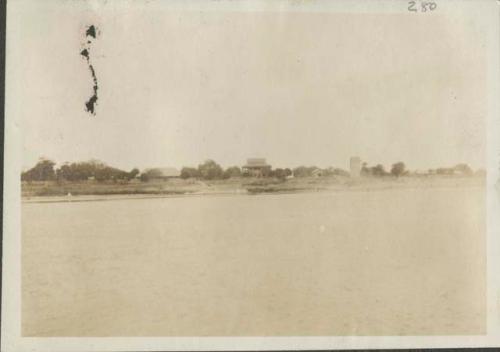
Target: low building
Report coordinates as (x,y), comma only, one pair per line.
(161,173)
(317,172)
(257,167)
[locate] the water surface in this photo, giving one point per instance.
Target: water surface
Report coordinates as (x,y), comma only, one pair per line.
(390,262)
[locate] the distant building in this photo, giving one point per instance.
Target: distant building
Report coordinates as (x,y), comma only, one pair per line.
(355,166)
(317,172)
(256,167)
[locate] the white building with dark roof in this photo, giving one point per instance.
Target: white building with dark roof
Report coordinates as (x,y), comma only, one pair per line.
(256,167)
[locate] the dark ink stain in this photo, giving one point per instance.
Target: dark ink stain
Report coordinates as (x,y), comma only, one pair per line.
(91,32)
(92,102)
(85,53)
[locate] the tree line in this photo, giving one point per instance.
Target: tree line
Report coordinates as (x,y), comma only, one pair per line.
(45,170)
(397,169)
(210,170)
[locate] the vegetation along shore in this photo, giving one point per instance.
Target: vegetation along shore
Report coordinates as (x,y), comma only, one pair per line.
(97,178)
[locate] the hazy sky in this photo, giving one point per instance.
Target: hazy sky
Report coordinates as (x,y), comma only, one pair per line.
(178,87)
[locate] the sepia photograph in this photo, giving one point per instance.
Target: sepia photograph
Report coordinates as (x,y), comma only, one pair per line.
(197,171)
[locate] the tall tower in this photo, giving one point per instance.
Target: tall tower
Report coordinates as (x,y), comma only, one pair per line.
(355,166)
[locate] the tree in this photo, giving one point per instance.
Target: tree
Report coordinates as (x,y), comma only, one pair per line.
(133,173)
(42,171)
(107,173)
(303,171)
(210,170)
(233,171)
(378,170)
(335,171)
(398,169)
(64,172)
(82,171)
(188,172)
(279,173)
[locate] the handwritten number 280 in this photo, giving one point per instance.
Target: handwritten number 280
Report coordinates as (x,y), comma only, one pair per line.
(425,6)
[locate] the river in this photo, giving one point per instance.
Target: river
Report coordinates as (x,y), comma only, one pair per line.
(386,262)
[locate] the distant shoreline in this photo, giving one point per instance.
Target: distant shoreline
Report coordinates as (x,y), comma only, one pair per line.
(44,192)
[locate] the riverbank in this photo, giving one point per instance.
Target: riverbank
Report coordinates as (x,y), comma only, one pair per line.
(94,191)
